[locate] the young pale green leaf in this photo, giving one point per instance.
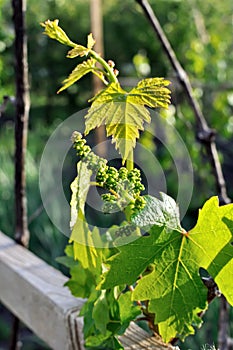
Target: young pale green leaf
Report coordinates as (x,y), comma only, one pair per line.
(173,285)
(79,187)
(80,50)
(81,70)
(163,212)
(53,30)
(124,113)
(84,248)
(90,41)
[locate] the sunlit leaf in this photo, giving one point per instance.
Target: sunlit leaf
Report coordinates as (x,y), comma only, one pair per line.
(53,30)
(79,187)
(173,285)
(81,70)
(80,50)
(84,249)
(124,113)
(90,41)
(152,92)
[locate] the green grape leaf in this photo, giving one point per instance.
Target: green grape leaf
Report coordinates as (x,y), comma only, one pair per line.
(80,50)
(152,92)
(79,71)
(53,30)
(83,243)
(128,310)
(82,281)
(124,233)
(135,257)
(84,247)
(96,340)
(79,187)
(100,313)
(163,212)
(173,285)
(124,113)
(90,41)
(86,312)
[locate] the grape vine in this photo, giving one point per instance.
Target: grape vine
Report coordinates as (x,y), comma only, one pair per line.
(154,275)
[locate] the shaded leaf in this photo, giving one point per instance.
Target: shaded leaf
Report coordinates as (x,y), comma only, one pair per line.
(128,310)
(100,313)
(82,281)
(97,340)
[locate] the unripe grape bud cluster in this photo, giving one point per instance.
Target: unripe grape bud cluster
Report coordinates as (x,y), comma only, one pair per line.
(124,186)
(119,182)
(84,152)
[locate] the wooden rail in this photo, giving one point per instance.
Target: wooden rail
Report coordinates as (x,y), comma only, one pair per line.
(33,291)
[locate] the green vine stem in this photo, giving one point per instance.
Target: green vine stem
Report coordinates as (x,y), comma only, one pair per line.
(110,73)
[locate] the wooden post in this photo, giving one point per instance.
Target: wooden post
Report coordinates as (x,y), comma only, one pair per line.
(21,120)
(97,31)
(22,105)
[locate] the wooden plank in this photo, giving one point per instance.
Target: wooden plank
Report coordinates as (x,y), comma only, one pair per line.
(34,292)
(135,338)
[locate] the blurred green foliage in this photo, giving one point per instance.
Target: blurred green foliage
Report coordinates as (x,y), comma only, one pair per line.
(201,34)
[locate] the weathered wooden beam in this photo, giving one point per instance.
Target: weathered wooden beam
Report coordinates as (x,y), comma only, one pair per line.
(34,292)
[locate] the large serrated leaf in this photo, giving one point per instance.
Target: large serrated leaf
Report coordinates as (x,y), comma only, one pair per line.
(173,285)
(81,70)
(124,113)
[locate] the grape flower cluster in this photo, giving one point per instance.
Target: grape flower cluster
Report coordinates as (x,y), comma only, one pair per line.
(124,187)
(84,152)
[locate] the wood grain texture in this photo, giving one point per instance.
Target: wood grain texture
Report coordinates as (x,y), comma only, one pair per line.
(34,292)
